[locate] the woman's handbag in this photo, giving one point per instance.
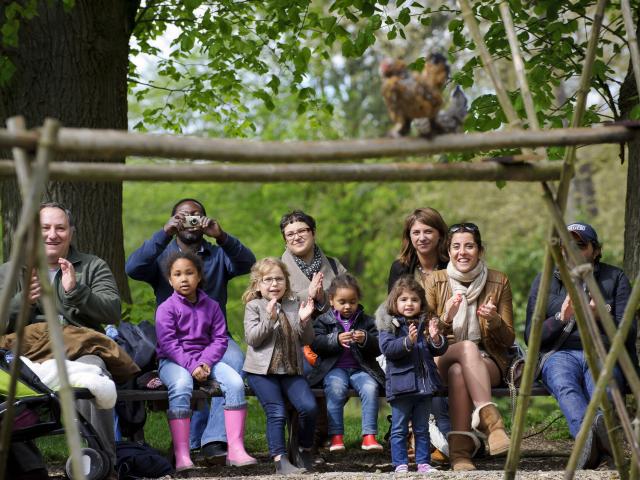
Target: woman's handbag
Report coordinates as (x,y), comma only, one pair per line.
(513,374)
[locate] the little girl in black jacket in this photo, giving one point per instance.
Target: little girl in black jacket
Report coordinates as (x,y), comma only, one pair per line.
(346,342)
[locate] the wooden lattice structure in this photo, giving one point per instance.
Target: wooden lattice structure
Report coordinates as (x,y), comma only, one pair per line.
(342,161)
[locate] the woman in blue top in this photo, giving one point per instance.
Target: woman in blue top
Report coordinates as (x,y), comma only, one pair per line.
(412,375)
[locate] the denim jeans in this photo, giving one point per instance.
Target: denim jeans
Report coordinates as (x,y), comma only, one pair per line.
(416,409)
(179,382)
(568,378)
(336,388)
(271,391)
(214,416)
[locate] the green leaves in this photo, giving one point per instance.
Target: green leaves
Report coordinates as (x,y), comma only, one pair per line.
(7,69)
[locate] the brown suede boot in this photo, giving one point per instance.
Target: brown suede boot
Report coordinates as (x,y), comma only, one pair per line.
(488,421)
(462,447)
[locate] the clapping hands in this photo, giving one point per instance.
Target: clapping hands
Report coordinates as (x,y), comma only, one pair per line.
(305,311)
(413,333)
(452,306)
(489,312)
(434,328)
(315,290)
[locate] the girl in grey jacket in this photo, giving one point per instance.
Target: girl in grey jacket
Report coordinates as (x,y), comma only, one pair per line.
(276,326)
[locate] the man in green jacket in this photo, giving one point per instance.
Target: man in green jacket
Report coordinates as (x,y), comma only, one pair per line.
(85,294)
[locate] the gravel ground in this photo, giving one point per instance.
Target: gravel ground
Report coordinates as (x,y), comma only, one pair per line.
(541,460)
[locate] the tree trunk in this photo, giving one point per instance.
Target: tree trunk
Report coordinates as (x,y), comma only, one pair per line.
(629,99)
(72,66)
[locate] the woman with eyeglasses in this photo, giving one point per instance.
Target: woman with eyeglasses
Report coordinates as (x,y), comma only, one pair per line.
(475,309)
(310,271)
(307,264)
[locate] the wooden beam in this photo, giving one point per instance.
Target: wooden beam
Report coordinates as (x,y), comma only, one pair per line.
(108,144)
(395,172)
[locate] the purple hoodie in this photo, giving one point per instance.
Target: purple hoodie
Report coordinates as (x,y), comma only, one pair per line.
(191,334)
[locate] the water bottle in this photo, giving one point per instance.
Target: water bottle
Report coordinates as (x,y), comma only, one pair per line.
(112,332)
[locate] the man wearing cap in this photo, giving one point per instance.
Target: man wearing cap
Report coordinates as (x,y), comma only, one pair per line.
(185,230)
(564,370)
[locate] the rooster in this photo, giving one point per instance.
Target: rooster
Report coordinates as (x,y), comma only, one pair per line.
(411,95)
(446,121)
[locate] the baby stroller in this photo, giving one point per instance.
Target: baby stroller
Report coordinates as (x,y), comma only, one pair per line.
(37,413)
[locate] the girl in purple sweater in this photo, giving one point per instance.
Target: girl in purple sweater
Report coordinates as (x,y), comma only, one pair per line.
(192,338)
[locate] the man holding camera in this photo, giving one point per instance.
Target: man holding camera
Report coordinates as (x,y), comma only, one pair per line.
(564,369)
(185,230)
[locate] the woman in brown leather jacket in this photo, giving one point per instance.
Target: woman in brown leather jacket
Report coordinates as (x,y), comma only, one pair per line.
(474,306)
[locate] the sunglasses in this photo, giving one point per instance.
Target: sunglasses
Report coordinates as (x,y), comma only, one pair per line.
(464,227)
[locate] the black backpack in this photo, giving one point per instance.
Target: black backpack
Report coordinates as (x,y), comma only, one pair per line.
(136,460)
(139,341)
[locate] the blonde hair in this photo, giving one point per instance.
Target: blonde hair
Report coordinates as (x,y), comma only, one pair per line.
(259,269)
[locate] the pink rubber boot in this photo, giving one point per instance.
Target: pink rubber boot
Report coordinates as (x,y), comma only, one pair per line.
(234,424)
(180,434)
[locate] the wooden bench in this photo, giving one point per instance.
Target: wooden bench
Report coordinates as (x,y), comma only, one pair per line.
(158,400)
(205,393)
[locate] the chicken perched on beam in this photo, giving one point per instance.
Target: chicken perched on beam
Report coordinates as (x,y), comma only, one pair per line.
(410,95)
(447,121)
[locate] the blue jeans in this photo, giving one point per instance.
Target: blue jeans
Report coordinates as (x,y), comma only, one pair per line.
(568,378)
(336,388)
(179,382)
(271,391)
(416,409)
(214,417)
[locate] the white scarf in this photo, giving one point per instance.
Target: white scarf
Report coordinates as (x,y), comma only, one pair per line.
(465,323)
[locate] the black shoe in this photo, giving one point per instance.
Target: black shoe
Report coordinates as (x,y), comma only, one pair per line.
(588,458)
(283,467)
(305,460)
(601,436)
(214,453)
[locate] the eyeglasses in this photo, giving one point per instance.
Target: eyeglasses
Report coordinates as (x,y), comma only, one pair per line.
(302,233)
(270,280)
(465,227)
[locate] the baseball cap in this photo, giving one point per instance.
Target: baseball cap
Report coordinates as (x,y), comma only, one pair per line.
(585,231)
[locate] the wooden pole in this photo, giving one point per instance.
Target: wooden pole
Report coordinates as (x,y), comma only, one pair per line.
(108,144)
(21,157)
(535,335)
(46,152)
(617,346)
(594,335)
(592,351)
(524,392)
(397,172)
(487,61)
(632,40)
(581,100)
(518,67)
(14,369)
